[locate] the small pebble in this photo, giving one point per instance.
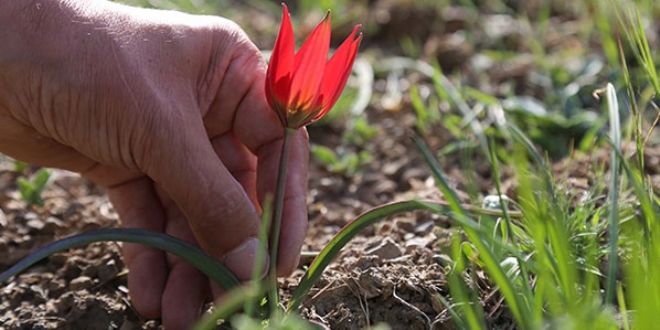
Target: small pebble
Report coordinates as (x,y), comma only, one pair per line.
(107,271)
(424,228)
(386,250)
(56,287)
(52,224)
(35,225)
(81,283)
(3,219)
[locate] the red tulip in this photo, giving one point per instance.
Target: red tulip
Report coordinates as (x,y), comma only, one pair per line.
(302,87)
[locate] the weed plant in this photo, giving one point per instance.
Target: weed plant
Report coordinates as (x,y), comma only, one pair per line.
(31,189)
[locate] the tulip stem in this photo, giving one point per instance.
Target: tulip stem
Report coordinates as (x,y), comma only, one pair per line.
(277,218)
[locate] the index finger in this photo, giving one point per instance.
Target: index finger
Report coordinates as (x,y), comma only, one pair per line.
(240,106)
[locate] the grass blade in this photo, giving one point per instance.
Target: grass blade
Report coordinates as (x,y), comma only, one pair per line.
(642,270)
(482,243)
(460,323)
(615,136)
(252,305)
(466,300)
(230,305)
(530,148)
(526,289)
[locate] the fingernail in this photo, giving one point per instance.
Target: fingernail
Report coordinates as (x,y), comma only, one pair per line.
(241,260)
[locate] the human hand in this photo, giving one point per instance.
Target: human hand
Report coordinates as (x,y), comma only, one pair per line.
(168,112)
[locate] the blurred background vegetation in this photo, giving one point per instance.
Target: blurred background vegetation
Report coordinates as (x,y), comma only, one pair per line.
(533,63)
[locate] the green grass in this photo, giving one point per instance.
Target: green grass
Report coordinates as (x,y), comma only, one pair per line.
(573,270)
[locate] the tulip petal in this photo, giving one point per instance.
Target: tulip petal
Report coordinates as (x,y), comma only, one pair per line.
(280,68)
(302,87)
(337,71)
(309,64)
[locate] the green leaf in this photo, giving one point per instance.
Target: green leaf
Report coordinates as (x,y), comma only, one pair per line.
(325,155)
(470,253)
(365,131)
(347,233)
(366,219)
(615,136)
(20,166)
(24,188)
(28,193)
(40,180)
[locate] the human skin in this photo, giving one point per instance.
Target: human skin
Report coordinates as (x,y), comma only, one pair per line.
(167,111)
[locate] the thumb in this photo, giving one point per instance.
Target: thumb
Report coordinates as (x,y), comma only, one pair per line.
(219,211)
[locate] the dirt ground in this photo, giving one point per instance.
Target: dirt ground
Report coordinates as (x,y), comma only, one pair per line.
(392,273)
(389,274)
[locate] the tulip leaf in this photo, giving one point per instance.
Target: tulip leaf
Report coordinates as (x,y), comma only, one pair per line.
(364,220)
(194,255)
(342,238)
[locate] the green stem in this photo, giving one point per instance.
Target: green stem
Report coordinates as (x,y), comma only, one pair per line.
(277,218)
